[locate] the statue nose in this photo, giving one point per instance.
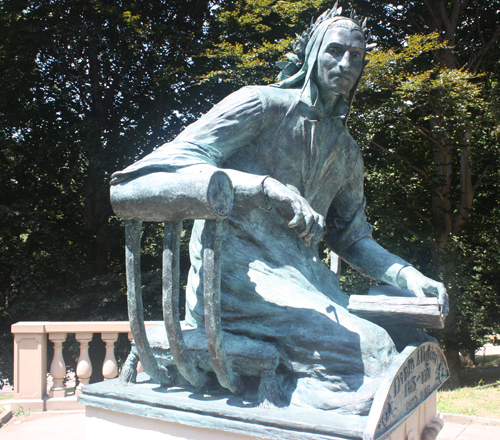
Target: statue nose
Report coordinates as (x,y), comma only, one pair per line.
(345,63)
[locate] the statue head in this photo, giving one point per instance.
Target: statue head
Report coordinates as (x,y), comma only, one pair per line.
(340,58)
(329,56)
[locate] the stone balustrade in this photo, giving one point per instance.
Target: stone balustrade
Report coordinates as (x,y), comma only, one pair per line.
(30,360)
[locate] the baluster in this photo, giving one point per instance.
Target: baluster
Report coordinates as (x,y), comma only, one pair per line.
(139,365)
(110,366)
(335,263)
(84,366)
(57,366)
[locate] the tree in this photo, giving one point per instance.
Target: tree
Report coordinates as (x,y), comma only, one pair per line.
(87,88)
(432,130)
(90,87)
(427,118)
(250,36)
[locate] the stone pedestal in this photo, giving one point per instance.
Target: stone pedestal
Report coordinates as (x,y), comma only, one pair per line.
(104,424)
(404,405)
(30,362)
(182,410)
(182,418)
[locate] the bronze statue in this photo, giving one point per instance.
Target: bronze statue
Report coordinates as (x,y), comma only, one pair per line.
(297,177)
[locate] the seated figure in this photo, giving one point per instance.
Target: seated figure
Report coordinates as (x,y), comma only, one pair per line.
(298,178)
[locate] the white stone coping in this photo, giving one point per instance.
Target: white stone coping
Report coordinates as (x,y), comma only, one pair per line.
(462,419)
(75,326)
(5,414)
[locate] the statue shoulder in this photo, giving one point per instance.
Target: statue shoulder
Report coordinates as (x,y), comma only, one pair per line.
(259,98)
(353,152)
(271,96)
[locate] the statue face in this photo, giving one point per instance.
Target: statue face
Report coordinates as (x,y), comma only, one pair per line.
(340,59)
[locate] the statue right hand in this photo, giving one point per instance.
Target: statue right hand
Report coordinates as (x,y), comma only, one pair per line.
(293,208)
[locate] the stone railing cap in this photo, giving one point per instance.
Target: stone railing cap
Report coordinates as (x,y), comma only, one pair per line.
(75,326)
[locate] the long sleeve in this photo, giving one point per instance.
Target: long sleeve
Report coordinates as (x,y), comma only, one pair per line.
(217,135)
(230,126)
(346,220)
(350,235)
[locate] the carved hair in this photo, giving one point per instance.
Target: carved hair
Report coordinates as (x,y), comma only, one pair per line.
(333,16)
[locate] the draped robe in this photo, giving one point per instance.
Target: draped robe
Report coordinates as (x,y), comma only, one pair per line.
(273,288)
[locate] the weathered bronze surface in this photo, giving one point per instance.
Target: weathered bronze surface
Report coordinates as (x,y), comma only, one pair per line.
(267,173)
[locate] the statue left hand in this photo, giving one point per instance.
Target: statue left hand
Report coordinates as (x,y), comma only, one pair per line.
(420,285)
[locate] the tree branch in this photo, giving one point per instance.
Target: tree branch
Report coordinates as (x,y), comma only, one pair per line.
(421,171)
(436,22)
(446,20)
(427,133)
(466,189)
(484,49)
(481,177)
(480,251)
(417,213)
(463,5)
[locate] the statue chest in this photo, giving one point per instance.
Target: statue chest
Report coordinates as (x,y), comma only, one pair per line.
(314,156)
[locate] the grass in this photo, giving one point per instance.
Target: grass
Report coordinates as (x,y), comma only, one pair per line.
(479,394)
(21,412)
(70,390)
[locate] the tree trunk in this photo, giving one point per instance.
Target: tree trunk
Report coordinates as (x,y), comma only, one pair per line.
(453,359)
(451,354)
(96,213)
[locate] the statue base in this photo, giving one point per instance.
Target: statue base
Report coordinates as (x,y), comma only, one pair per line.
(403,407)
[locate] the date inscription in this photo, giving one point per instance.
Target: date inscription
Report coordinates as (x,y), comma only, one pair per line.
(422,373)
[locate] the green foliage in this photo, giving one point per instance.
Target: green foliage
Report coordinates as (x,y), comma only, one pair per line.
(87,88)
(251,36)
(429,135)
(21,412)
